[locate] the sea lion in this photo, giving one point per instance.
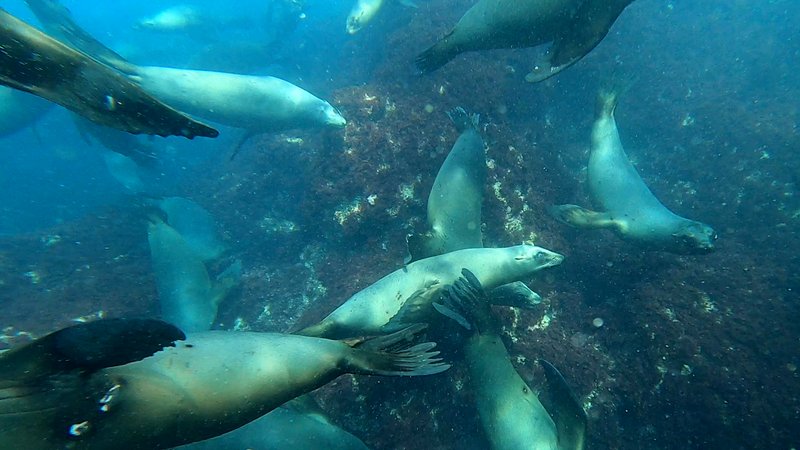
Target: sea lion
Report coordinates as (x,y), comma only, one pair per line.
(188,296)
(33,62)
(629,208)
(175,18)
(590,25)
(454,203)
(298,424)
(365,10)
(513,418)
(574,26)
(208,384)
(19,110)
(454,207)
(405,295)
(255,103)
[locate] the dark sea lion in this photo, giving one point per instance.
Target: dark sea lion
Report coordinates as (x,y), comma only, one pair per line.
(574,27)
(513,418)
(70,393)
(32,61)
(589,26)
(629,208)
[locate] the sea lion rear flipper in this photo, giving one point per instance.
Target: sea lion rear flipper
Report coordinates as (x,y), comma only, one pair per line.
(395,354)
(417,309)
(581,217)
(89,346)
(565,409)
(515,294)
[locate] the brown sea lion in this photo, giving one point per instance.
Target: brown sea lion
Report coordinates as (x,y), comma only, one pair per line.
(68,389)
(32,61)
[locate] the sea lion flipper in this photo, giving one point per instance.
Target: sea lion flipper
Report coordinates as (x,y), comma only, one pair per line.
(466,302)
(415,310)
(566,410)
(515,294)
(89,346)
(464,120)
(396,354)
(581,217)
(437,55)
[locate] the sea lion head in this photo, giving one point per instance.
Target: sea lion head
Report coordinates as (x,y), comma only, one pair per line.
(538,257)
(695,238)
(331,116)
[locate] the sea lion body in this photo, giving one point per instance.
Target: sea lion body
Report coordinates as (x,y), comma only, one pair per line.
(493,24)
(292,426)
(454,204)
(629,207)
(208,384)
(34,62)
(371,309)
(189,298)
(19,110)
(176,18)
(258,103)
(512,416)
(363,12)
(574,27)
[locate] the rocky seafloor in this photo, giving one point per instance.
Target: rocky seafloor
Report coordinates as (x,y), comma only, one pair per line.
(695,351)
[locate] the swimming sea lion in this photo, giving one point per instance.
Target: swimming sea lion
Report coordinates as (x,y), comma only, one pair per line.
(299,424)
(255,103)
(19,110)
(454,207)
(574,26)
(364,11)
(454,204)
(405,295)
(629,208)
(32,61)
(188,296)
(208,384)
(175,18)
(513,418)
(589,26)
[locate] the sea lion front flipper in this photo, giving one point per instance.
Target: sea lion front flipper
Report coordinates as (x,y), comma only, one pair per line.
(515,294)
(582,218)
(89,346)
(590,25)
(417,309)
(466,302)
(566,410)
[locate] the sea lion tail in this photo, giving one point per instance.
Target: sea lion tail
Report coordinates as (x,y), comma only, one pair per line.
(395,354)
(464,120)
(436,56)
(606,103)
